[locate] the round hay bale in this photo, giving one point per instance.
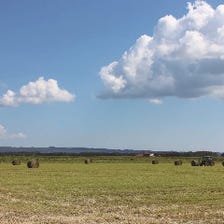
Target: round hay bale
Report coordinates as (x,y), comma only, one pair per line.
(223,163)
(155,162)
(16,162)
(194,163)
(87,161)
(177,162)
(33,163)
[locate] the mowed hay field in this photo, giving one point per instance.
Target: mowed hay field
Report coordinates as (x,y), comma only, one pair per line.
(130,192)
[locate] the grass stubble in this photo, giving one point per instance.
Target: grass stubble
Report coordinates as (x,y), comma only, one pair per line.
(123,193)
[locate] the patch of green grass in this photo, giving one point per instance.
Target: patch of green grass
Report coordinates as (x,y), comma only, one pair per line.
(128,192)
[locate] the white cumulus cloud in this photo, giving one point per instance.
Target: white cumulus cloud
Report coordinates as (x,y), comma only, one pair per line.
(183,58)
(5,135)
(155,101)
(40,91)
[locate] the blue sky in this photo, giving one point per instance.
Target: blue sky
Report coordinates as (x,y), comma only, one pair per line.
(70,42)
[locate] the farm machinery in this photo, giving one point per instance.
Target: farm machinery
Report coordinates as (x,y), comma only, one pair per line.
(204,161)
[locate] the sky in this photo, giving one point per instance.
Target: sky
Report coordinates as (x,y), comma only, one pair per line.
(118,74)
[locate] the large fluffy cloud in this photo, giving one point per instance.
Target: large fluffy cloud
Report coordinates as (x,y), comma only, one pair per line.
(184,58)
(37,92)
(5,135)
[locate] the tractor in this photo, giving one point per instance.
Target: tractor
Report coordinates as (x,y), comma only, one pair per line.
(207,161)
(204,161)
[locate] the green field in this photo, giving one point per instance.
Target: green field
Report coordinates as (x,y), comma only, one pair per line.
(111,190)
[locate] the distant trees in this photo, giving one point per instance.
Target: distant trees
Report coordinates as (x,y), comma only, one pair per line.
(189,154)
(34,152)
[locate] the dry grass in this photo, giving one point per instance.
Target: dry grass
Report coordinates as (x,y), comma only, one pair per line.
(111,193)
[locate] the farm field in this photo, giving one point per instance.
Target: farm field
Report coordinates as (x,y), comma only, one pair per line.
(115,190)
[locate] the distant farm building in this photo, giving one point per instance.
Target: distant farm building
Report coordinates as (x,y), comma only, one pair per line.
(145,155)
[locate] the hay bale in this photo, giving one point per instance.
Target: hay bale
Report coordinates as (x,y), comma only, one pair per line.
(87,161)
(33,163)
(155,162)
(177,162)
(16,162)
(223,163)
(194,163)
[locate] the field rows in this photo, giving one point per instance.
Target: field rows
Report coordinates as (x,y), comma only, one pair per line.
(111,193)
